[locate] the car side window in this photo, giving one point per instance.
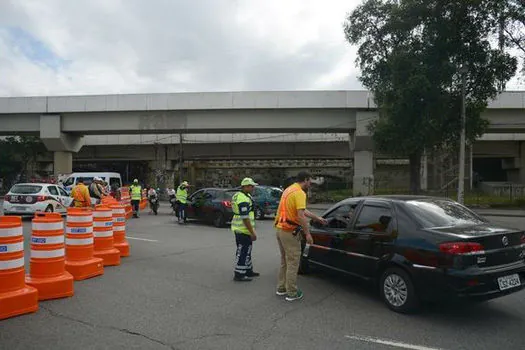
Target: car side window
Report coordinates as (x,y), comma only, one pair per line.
(53,190)
(197,195)
(373,218)
(62,192)
(209,194)
(342,216)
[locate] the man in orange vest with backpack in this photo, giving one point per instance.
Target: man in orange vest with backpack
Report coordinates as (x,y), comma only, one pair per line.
(80,194)
(292,224)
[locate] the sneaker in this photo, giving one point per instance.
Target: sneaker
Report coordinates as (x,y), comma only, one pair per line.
(242,279)
(297,296)
(281,292)
(254,274)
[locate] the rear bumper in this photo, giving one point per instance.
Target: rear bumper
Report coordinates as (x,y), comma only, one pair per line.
(475,284)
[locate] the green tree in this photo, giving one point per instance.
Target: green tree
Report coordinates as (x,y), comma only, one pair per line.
(513,28)
(410,55)
(17,153)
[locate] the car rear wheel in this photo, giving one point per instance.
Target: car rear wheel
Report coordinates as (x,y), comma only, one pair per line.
(49,209)
(259,214)
(398,292)
(218,219)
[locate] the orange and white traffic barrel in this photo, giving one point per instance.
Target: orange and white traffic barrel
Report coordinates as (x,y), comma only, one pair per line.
(119,229)
(47,271)
(125,200)
(80,261)
(16,298)
(103,233)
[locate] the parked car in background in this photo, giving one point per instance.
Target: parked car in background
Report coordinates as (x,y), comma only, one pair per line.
(212,205)
(29,198)
(266,200)
(418,249)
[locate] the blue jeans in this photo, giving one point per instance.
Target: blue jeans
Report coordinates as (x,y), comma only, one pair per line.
(181,211)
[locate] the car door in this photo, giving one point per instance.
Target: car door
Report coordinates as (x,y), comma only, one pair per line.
(209,203)
(65,198)
(373,225)
(195,202)
(55,199)
(329,240)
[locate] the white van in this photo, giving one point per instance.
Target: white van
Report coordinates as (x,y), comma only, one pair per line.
(112,179)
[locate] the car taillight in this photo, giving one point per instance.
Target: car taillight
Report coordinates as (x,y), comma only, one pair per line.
(455,248)
(227,204)
(42,198)
(522,238)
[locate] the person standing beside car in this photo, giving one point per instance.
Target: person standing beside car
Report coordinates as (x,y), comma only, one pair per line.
(182,201)
(80,195)
(243,226)
(292,223)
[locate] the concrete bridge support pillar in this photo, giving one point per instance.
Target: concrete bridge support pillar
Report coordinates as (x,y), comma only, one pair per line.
(63,145)
(363,181)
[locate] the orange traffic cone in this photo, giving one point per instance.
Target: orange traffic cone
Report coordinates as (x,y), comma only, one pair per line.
(103,232)
(47,271)
(80,261)
(119,229)
(16,298)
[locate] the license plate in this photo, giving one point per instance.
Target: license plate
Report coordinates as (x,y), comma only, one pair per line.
(508,282)
(20,208)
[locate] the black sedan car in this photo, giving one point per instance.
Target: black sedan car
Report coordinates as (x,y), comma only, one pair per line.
(212,205)
(418,249)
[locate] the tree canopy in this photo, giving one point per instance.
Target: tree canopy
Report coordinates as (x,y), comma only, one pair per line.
(411,54)
(16,153)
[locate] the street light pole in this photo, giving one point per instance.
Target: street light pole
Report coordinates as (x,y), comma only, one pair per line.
(462,137)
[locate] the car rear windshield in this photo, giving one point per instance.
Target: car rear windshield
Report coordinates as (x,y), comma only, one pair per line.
(442,213)
(26,189)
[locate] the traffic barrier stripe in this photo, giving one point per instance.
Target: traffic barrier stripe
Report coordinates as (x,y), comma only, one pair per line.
(102,214)
(79,241)
(98,234)
(47,240)
(119,228)
(12,264)
(47,226)
(84,219)
(11,248)
(104,224)
(79,230)
(46,254)
(11,232)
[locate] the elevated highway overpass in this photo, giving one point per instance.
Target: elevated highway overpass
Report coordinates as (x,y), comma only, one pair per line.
(62,121)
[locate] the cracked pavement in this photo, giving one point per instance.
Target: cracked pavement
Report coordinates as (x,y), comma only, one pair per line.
(178,293)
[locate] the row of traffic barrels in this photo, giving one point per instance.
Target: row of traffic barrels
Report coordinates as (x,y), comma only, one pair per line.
(90,240)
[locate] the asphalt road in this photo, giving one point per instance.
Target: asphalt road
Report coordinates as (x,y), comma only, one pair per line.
(176,292)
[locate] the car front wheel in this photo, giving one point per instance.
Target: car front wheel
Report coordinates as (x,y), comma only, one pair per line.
(218,220)
(398,292)
(259,215)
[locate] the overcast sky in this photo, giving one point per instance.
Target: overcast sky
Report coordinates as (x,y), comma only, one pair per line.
(50,47)
(65,47)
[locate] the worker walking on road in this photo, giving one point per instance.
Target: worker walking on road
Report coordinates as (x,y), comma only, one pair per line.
(292,224)
(243,226)
(182,201)
(136,196)
(80,195)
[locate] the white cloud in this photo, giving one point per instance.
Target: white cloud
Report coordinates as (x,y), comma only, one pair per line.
(166,46)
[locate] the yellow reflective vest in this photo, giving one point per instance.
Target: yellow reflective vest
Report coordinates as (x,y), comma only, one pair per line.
(242,206)
(136,192)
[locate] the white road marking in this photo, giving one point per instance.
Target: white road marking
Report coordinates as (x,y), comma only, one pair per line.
(142,239)
(389,343)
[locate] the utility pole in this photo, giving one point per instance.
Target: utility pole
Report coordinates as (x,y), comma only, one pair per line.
(181,159)
(461,175)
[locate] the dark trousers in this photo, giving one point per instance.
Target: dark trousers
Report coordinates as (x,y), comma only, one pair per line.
(181,211)
(135,204)
(243,255)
